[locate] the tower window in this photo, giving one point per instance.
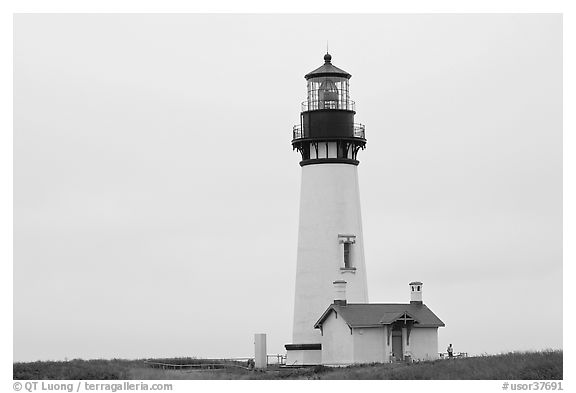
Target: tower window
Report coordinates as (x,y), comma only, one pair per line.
(347,262)
(418,287)
(347,241)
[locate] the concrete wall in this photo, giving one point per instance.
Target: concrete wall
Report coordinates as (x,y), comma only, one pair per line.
(329,205)
(369,345)
(424,343)
(300,357)
(337,342)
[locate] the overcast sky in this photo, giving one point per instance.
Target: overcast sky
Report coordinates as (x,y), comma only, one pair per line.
(156,191)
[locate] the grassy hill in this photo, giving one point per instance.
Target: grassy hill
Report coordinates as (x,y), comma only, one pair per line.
(544,365)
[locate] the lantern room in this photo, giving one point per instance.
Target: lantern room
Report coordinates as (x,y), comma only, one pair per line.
(328,88)
(327,132)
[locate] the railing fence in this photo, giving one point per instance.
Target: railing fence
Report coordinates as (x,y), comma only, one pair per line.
(211,364)
(444,355)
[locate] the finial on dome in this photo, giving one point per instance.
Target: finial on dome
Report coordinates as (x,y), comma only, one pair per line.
(327,57)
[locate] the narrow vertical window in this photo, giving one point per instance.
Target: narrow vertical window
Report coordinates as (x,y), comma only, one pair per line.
(347,255)
(347,242)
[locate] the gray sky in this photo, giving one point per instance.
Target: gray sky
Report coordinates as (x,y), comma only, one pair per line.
(156,192)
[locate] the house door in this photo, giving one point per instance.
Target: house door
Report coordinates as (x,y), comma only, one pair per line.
(397,345)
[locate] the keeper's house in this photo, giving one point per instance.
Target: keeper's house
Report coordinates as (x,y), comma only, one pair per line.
(388,332)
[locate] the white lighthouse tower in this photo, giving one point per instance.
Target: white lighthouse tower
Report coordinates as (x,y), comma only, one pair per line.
(330,242)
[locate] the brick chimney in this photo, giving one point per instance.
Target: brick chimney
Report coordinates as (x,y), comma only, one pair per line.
(340,292)
(415,292)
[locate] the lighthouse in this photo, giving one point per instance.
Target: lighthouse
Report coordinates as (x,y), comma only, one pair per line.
(330,241)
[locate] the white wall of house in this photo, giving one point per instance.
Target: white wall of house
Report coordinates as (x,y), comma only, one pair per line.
(424,343)
(369,344)
(337,342)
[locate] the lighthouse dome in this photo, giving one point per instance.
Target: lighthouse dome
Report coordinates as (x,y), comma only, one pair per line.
(328,69)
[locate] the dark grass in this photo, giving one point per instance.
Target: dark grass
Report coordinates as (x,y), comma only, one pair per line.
(543,365)
(75,369)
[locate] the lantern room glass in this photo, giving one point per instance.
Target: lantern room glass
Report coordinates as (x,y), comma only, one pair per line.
(328,93)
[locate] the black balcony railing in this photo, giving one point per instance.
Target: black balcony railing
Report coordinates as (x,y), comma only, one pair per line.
(359,131)
(313,105)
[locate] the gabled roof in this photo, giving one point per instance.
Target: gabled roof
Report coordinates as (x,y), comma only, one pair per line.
(327,69)
(378,314)
(393,316)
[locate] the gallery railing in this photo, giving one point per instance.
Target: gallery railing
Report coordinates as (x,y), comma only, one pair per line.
(359,131)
